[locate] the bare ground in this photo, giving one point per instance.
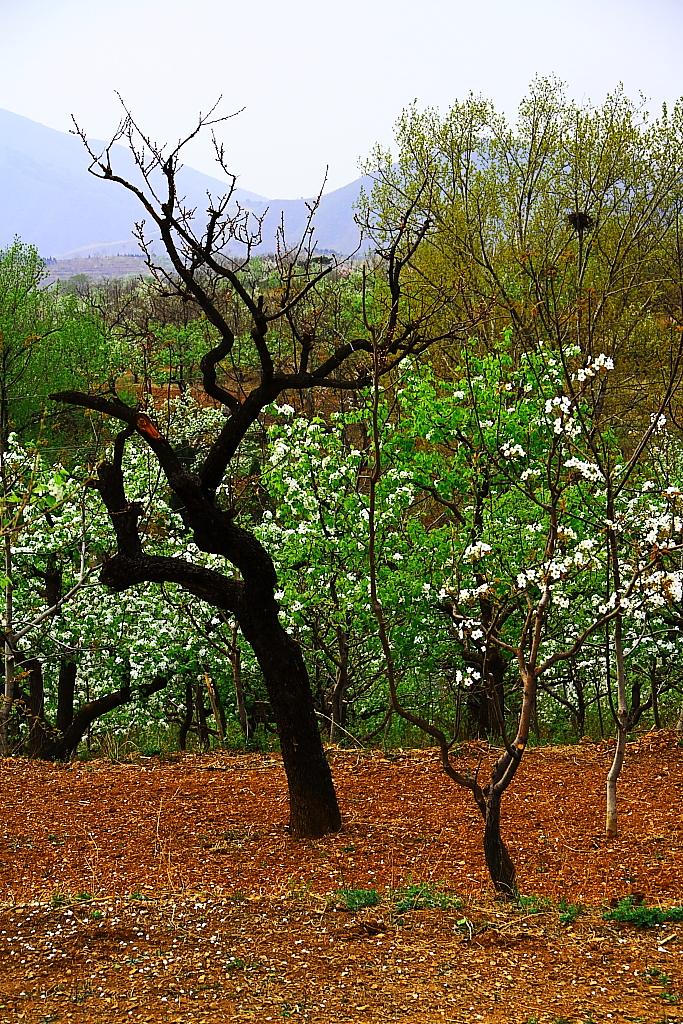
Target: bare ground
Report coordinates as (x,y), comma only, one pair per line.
(170,891)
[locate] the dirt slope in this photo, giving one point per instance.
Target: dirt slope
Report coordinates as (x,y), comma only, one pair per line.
(171,891)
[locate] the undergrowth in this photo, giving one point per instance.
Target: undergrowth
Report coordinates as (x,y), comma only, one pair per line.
(422,896)
(632,912)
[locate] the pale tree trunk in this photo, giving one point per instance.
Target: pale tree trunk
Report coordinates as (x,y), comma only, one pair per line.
(215,708)
(622,711)
(612,779)
(679,722)
(8,617)
(9,656)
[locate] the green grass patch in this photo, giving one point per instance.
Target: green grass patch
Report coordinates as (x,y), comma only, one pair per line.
(641,915)
(568,912)
(423,897)
(533,904)
(358,899)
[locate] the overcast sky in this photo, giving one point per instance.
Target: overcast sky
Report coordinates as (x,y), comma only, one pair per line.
(320,82)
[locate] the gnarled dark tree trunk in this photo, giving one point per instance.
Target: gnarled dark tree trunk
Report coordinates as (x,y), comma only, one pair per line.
(311,792)
(305,351)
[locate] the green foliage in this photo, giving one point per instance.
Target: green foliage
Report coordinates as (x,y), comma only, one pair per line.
(569,912)
(416,896)
(314,478)
(533,904)
(639,914)
(48,341)
(358,899)
(424,896)
(538,218)
(654,974)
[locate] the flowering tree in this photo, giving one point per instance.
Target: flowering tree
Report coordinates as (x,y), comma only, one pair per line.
(79,652)
(542,513)
(42,531)
(317,481)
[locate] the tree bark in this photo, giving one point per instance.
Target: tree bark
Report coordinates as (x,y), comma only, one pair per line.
(54,744)
(188,714)
(202,726)
(498,860)
(340,686)
(313,809)
(622,716)
(612,780)
(217,708)
(9,655)
(236,665)
(66,691)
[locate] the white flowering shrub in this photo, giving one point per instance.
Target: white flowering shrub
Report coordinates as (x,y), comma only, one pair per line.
(59,529)
(317,532)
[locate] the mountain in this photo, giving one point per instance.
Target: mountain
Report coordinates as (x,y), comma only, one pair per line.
(48,199)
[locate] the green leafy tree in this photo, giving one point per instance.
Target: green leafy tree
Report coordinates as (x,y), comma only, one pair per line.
(565,226)
(316,480)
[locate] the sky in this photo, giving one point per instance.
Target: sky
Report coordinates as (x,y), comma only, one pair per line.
(318,84)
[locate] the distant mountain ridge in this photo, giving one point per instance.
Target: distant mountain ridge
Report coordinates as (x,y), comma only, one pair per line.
(49,200)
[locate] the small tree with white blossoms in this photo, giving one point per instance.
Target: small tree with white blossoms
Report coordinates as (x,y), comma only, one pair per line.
(78,652)
(540,517)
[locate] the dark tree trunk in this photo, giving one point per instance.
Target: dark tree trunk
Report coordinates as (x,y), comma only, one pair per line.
(498,861)
(36,689)
(39,732)
(66,691)
(313,809)
(186,723)
(486,699)
(580,713)
(50,744)
(654,684)
(202,726)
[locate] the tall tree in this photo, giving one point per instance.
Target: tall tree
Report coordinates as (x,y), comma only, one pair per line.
(297,347)
(565,225)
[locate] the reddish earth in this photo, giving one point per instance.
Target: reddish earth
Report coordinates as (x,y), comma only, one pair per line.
(170,891)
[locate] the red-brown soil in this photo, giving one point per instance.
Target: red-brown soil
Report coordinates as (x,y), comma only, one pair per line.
(200,907)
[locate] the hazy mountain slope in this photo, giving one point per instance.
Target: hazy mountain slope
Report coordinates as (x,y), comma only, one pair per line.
(48,198)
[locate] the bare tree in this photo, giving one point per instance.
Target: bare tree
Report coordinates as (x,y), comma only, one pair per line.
(297,347)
